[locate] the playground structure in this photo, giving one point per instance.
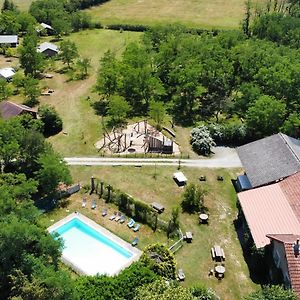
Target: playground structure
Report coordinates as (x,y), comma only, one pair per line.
(139,137)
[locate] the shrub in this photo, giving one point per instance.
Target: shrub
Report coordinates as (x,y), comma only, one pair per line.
(160,260)
(52,121)
(193,198)
(201,140)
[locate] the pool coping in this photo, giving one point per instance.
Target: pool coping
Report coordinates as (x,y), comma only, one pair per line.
(136,252)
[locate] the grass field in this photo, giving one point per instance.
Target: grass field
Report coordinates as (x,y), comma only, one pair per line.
(195,13)
(194,258)
(82,128)
(21,4)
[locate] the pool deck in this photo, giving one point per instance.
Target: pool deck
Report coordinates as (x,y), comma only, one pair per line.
(136,253)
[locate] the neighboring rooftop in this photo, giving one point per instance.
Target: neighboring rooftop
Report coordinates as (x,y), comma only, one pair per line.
(8,39)
(293,261)
(267,211)
(44,46)
(270,159)
(9,109)
(7,73)
(46,26)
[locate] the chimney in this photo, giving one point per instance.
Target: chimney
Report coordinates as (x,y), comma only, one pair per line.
(296,247)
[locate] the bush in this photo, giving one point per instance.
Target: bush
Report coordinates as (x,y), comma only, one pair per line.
(160,260)
(231,134)
(193,198)
(201,140)
(52,121)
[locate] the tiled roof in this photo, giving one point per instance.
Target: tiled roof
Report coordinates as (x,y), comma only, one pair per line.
(9,109)
(293,261)
(270,159)
(267,211)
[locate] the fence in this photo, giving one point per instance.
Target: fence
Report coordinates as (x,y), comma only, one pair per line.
(177,245)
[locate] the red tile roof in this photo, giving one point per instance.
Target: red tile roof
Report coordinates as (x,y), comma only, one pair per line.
(291,188)
(293,261)
(267,211)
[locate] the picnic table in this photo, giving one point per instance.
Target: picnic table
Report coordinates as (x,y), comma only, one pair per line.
(220,270)
(158,207)
(217,253)
(203,218)
(188,236)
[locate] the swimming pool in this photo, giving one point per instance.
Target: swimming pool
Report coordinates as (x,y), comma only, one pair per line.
(90,249)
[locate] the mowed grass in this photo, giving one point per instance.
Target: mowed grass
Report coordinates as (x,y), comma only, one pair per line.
(81,127)
(156,184)
(225,14)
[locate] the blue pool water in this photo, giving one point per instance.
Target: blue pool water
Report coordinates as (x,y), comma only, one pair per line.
(91,251)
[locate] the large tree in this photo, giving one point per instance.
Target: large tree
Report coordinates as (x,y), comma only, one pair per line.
(68,52)
(31,61)
(265,116)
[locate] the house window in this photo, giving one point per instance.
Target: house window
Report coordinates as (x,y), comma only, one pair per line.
(276,257)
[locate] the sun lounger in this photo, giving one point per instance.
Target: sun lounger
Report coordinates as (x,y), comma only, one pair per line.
(104,212)
(83,202)
(130,224)
(112,217)
(118,217)
(181,275)
(137,227)
(94,204)
(123,219)
(135,241)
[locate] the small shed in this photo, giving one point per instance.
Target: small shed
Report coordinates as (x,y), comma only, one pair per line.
(243,183)
(10,40)
(48,49)
(7,73)
(179,178)
(45,28)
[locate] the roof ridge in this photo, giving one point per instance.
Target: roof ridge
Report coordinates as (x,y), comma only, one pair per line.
(282,135)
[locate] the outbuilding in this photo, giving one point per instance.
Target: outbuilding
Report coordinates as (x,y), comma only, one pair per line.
(10,40)
(7,73)
(48,49)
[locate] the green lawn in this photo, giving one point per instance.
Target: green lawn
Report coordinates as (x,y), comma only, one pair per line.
(21,4)
(194,258)
(81,127)
(195,13)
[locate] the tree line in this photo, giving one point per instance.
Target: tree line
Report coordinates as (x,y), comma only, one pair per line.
(222,78)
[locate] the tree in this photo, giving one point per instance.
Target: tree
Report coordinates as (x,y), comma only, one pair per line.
(61,24)
(291,125)
(52,121)
(68,52)
(174,221)
(246,20)
(265,116)
(8,5)
(52,170)
(31,61)
(201,292)
(108,75)
(5,89)
(201,141)
(274,292)
(193,198)
(83,64)
(161,290)
(118,109)
(160,260)
(31,91)
(157,112)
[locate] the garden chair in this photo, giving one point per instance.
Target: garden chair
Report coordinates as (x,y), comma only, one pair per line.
(112,217)
(94,204)
(123,219)
(130,224)
(137,228)
(83,203)
(135,241)
(104,212)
